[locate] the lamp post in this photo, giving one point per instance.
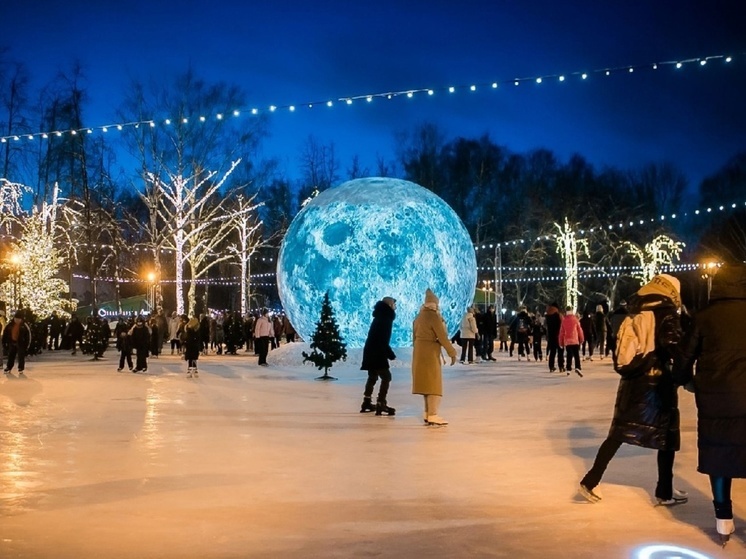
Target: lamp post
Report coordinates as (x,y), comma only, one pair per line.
(15,261)
(151,291)
(710,269)
(498,282)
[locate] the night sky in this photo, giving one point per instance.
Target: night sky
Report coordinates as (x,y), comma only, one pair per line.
(293,52)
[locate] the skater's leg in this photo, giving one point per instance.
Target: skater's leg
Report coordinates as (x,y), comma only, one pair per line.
(370,384)
(383,390)
(605,453)
(664,489)
(721,487)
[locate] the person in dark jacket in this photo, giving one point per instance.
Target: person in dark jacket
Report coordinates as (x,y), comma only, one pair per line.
(140,337)
(646,410)
(554,351)
(489,332)
(588,324)
(615,321)
(520,330)
(17,338)
(124,344)
(715,343)
(192,346)
(376,355)
(74,333)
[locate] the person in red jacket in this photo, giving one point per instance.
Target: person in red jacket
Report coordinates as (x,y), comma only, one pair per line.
(570,338)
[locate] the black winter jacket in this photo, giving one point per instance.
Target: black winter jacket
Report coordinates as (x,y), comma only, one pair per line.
(646,411)
(377,351)
(716,343)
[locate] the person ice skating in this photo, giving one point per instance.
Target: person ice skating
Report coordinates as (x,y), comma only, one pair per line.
(17,338)
(520,330)
(74,333)
(588,324)
(570,337)
(537,334)
(192,346)
(646,410)
(376,355)
(715,343)
(263,333)
(469,334)
(430,335)
(489,333)
(502,333)
(553,320)
(140,337)
(124,343)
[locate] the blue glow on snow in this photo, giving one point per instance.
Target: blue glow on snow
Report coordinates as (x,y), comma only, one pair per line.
(371,238)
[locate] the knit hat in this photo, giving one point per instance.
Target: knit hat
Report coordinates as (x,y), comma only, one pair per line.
(663,284)
(430,297)
(599,308)
(389,301)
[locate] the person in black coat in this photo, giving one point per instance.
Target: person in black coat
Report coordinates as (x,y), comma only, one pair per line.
(376,355)
(553,319)
(140,337)
(192,346)
(16,336)
(646,409)
(488,330)
(715,342)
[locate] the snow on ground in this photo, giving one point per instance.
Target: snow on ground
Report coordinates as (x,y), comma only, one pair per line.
(254,462)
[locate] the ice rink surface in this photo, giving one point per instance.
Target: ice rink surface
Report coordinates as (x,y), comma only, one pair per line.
(255,462)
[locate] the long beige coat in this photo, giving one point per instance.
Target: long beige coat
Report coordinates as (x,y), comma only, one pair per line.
(429,336)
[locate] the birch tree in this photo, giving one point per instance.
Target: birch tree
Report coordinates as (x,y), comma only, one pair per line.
(247,227)
(658,253)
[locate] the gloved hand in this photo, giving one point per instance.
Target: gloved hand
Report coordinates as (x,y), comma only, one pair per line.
(453,361)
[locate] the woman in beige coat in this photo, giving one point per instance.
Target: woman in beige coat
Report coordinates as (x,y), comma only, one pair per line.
(427,377)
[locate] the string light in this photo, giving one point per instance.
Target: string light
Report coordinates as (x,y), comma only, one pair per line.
(620,225)
(348,99)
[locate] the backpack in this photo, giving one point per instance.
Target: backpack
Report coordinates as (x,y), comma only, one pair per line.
(635,346)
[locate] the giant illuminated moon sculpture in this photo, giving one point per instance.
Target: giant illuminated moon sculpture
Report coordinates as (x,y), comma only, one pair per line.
(371,238)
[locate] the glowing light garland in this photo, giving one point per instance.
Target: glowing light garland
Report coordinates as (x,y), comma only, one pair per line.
(347,100)
(618,225)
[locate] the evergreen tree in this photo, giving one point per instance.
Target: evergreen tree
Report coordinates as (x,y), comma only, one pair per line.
(327,344)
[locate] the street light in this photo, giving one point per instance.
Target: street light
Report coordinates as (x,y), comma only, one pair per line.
(710,269)
(151,291)
(15,261)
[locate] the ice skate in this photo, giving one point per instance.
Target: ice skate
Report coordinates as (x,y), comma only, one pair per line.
(382,408)
(725,528)
(367,406)
(195,373)
(577,372)
(21,374)
(436,420)
(119,370)
(589,494)
(678,498)
(189,372)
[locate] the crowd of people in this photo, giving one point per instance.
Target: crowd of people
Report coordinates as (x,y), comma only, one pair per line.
(144,336)
(655,347)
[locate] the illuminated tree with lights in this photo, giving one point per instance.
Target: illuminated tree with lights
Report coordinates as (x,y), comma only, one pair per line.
(658,253)
(11,194)
(247,227)
(33,283)
(195,214)
(326,341)
(568,246)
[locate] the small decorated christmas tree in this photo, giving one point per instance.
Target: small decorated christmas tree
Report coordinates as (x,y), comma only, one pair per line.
(327,344)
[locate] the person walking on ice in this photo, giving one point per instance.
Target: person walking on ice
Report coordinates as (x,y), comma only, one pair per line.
(376,355)
(430,335)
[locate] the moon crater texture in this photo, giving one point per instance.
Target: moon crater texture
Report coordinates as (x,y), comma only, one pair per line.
(372,238)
